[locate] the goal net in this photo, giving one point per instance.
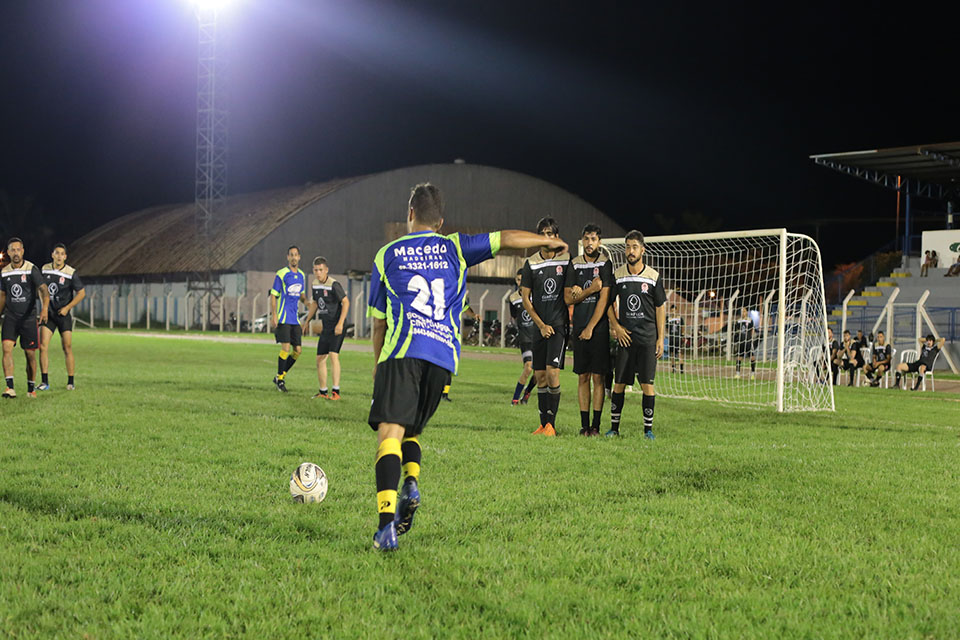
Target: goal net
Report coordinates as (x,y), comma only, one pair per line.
(750,296)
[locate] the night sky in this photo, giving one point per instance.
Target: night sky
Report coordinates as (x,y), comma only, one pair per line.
(646,110)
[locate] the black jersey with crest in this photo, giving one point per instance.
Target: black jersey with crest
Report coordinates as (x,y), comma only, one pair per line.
(62,284)
(525,325)
(639,296)
(545,278)
(22,286)
(581,274)
(881,353)
(328,295)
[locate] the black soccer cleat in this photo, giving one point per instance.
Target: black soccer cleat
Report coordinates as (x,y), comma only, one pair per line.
(281,385)
(408,500)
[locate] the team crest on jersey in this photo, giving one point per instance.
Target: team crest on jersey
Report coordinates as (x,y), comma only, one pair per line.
(53,288)
(62,280)
(550,285)
(596,272)
(23,277)
(559,270)
(17,291)
(633,302)
(644,287)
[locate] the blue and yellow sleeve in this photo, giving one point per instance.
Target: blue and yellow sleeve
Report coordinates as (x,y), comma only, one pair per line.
(377,304)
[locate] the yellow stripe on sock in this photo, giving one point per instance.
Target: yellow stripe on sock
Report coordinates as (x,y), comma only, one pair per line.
(284,355)
(389,447)
(387,501)
(411,470)
(294,355)
(446,389)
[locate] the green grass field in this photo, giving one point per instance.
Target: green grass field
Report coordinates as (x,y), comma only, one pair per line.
(152,502)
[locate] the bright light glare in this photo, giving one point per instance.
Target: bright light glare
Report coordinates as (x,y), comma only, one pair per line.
(210,5)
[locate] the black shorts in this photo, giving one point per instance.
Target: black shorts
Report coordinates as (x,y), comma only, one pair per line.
(550,351)
(26,328)
(593,355)
(407,392)
(329,343)
(57,322)
(675,347)
(914,367)
(291,333)
(638,360)
(743,348)
(526,351)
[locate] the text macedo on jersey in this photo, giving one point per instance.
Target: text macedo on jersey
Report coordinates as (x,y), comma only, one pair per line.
(418,285)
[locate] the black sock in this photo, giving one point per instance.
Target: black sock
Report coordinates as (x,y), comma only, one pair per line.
(596,419)
(648,412)
(69,380)
(292,360)
(517,391)
(753,366)
(45,377)
(530,385)
(543,403)
(336,390)
(738,366)
(554,405)
(282,363)
(898,378)
(10,381)
(584,420)
(387,471)
(30,385)
(323,390)
(616,406)
(681,367)
(411,452)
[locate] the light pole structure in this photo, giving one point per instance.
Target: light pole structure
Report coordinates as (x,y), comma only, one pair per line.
(212,152)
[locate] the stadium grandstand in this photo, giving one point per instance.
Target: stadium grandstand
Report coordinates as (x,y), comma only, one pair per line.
(926,179)
(143,261)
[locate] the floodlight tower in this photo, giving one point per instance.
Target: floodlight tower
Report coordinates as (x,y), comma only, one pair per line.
(211,168)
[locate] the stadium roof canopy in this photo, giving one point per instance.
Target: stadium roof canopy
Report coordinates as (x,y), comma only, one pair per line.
(930,170)
(345,220)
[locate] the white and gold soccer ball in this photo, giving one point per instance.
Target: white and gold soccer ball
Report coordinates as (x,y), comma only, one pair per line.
(308,483)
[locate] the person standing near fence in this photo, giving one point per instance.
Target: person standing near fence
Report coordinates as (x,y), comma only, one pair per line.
(66,291)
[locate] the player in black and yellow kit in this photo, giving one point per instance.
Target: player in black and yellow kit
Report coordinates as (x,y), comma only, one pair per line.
(587,288)
(66,291)
(286,294)
(638,322)
(541,285)
(525,329)
(21,283)
(331,305)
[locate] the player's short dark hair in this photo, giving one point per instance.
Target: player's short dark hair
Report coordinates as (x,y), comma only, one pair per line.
(930,337)
(292,247)
(847,331)
(881,333)
(427,204)
(520,271)
(12,240)
(60,245)
(548,223)
(634,235)
(319,260)
(591,228)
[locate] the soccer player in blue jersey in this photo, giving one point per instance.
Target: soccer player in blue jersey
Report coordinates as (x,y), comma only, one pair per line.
(416,298)
(289,289)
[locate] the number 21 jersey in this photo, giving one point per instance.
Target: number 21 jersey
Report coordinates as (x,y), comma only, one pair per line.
(417,286)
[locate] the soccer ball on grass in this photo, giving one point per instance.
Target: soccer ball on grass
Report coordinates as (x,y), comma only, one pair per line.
(308,483)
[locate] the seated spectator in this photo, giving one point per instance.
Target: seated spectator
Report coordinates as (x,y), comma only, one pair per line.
(954,269)
(881,360)
(833,347)
(934,259)
(861,339)
(848,357)
(926,264)
(930,347)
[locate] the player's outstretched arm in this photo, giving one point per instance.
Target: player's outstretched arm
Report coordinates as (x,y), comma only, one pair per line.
(517,239)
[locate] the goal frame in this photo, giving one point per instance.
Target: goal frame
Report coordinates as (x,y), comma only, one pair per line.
(782,234)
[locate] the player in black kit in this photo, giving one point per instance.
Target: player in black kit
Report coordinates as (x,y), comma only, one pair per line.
(541,286)
(66,291)
(929,350)
(638,322)
(525,329)
(880,362)
(21,283)
(331,305)
(587,288)
(743,342)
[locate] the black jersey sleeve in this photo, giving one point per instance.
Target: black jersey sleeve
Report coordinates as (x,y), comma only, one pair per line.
(76,283)
(570,278)
(37,278)
(606,274)
(338,292)
(526,276)
(659,295)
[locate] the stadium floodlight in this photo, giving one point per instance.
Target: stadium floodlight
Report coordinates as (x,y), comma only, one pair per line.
(211,5)
(710,278)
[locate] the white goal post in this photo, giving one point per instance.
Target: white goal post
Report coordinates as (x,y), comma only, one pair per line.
(774,278)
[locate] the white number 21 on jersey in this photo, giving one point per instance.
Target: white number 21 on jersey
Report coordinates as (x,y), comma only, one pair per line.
(419,284)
